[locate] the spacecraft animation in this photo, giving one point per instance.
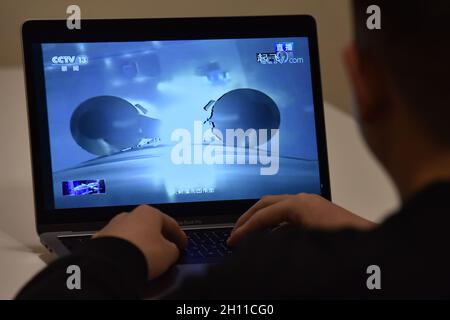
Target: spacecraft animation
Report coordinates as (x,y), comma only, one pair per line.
(110,136)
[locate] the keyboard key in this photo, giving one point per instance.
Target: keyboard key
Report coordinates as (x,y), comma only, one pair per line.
(206,245)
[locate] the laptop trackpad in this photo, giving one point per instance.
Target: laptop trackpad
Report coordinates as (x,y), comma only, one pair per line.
(172,279)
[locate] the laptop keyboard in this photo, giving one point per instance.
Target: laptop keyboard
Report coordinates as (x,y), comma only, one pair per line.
(208,245)
(205,245)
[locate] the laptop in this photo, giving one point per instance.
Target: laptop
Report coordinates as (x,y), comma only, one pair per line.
(198,117)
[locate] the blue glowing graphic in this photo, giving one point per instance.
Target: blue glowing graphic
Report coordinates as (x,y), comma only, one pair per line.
(83,187)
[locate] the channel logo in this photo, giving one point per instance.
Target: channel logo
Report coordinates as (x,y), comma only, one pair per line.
(284,54)
(280,57)
(73,62)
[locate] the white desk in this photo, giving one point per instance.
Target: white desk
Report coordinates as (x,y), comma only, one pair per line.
(357,182)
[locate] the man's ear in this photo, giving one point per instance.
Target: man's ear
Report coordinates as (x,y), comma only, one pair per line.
(365,81)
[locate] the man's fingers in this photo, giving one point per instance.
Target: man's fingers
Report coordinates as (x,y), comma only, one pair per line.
(261,204)
(172,232)
(169,227)
(173,252)
(267,217)
(170,253)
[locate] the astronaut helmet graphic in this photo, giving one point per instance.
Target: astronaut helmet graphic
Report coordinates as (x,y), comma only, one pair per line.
(104,125)
(244,109)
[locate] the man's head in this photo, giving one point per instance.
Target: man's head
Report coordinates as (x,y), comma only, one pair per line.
(400,75)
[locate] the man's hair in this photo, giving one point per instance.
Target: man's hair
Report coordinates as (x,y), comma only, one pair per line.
(414,45)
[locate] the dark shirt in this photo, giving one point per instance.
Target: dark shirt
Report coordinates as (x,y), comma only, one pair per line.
(411,248)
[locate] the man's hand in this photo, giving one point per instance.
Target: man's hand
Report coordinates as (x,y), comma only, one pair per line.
(157,235)
(305,209)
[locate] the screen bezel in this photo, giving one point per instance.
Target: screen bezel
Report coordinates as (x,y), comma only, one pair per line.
(55,31)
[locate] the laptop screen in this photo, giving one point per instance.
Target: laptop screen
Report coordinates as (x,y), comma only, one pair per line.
(179,121)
